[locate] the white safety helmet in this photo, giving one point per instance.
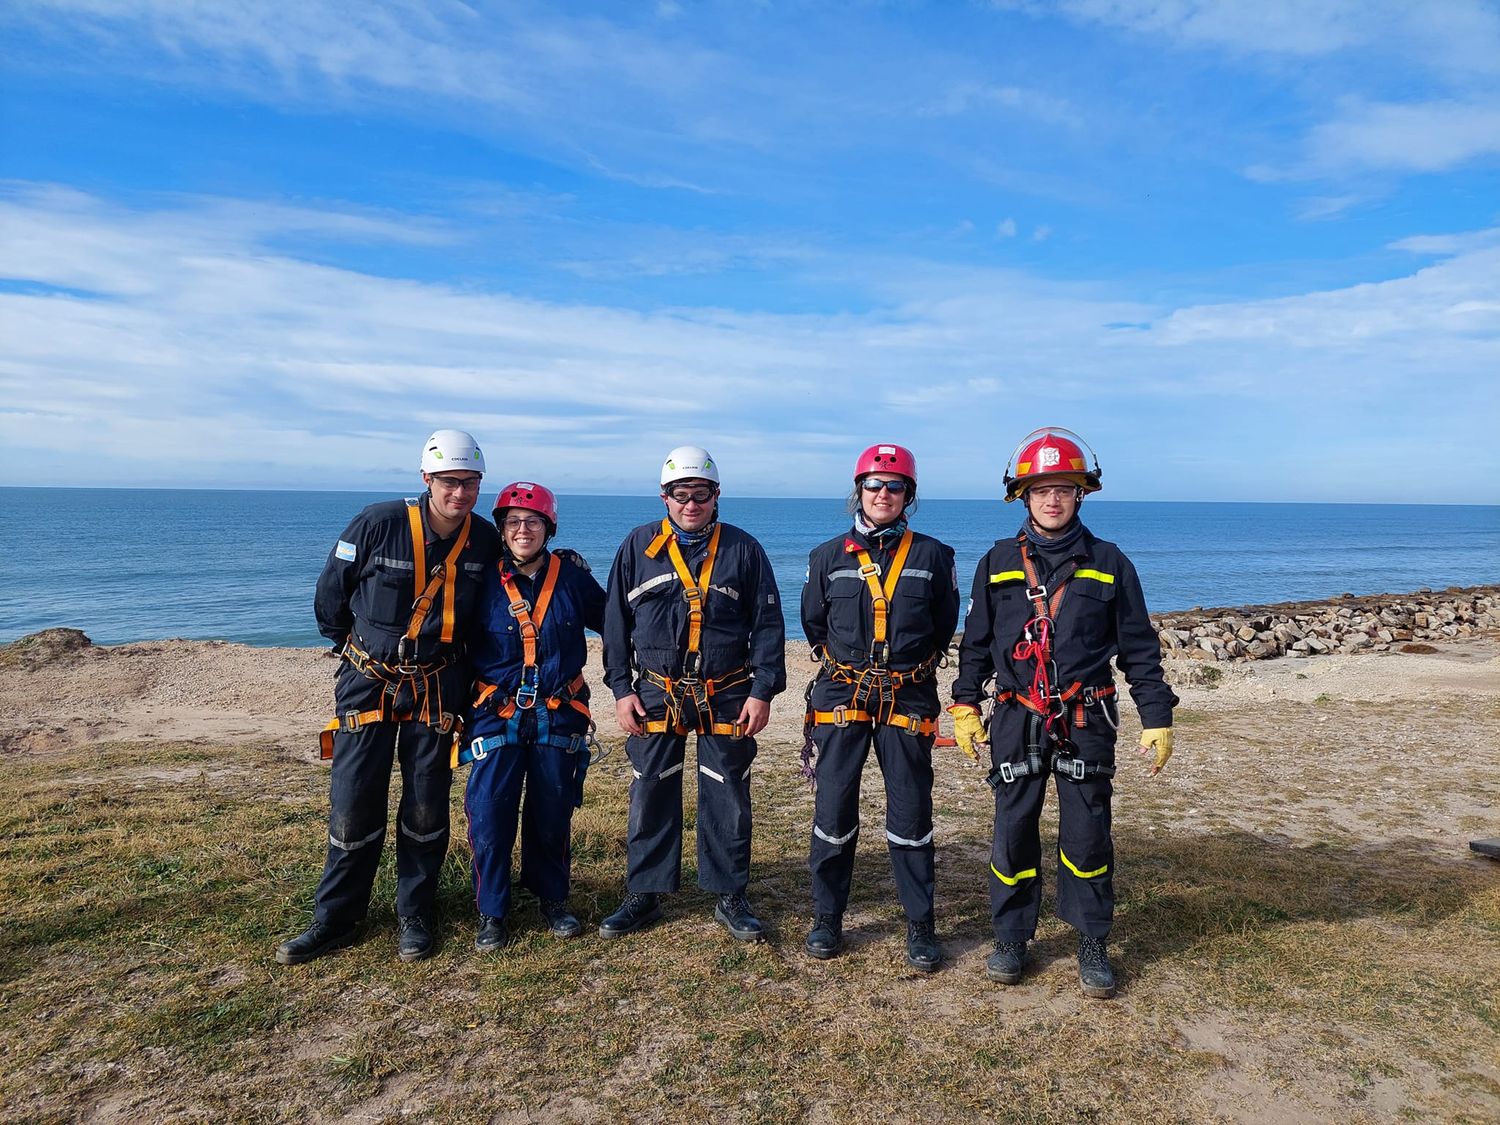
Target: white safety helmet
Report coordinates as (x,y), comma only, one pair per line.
(688,462)
(450,451)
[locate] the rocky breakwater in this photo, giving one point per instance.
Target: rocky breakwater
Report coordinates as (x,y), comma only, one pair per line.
(1366,623)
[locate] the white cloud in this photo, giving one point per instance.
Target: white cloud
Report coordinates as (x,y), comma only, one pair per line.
(1006,228)
(1456,35)
(983,97)
(192,336)
(1426,137)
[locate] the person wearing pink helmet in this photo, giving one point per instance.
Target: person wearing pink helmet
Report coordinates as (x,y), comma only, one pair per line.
(1052,607)
(879,608)
(529,726)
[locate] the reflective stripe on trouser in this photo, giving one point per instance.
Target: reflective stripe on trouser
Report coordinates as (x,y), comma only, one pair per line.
(359,791)
(1086,864)
(492,804)
(906,764)
(654,833)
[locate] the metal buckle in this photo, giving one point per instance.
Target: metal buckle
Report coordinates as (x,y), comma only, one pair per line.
(841,716)
(692,664)
(518,607)
(447,722)
(597,752)
(1007,772)
(1037,593)
(1077,770)
(870,570)
(693,595)
(351,720)
(526,692)
(914,722)
(736,730)
(477,750)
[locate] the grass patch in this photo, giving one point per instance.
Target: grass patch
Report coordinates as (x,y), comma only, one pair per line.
(150,883)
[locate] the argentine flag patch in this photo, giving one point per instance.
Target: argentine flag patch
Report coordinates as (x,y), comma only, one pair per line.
(345,551)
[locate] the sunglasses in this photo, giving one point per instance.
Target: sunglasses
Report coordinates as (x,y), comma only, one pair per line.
(691,495)
(894,487)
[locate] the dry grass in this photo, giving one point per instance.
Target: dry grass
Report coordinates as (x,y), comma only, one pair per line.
(1262,976)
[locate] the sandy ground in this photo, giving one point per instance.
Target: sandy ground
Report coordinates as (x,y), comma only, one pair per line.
(1386,754)
(1352,728)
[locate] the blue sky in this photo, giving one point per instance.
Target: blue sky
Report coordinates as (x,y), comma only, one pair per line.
(1249,251)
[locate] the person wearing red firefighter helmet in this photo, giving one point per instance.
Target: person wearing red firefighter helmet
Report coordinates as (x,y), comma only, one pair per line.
(879,607)
(529,725)
(1052,606)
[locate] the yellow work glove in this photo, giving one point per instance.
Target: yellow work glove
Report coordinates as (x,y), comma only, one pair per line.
(1160,740)
(968,729)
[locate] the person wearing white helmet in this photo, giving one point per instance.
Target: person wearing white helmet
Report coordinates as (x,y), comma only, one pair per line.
(694,642)
(398,597)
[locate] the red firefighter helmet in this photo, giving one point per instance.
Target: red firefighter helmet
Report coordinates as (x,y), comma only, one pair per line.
(887,459)
(1051,452)
(533,497)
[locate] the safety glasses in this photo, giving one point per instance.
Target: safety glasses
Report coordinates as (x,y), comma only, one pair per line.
(684,495)
(894,487)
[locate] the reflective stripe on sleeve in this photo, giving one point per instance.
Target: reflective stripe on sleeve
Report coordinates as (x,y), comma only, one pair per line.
(1008,576)
(1096,575)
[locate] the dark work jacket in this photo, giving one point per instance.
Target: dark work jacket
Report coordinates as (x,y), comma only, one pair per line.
(368,584)
(496,652)
(1102,617)
(838,612)
(646,617)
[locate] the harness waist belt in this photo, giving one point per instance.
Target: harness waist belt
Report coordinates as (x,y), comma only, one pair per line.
(843,716)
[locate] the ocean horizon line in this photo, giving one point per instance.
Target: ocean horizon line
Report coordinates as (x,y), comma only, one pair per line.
(397,492)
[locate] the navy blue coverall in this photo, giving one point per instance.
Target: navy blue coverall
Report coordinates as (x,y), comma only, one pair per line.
(540,746)
(646,630)
(838,616)
(1102,617)
(365,596)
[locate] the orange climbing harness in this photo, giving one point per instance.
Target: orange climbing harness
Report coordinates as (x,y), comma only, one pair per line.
(412,690)
(689,697)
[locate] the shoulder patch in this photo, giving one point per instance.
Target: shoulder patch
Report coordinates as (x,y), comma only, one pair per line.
(573,557)
(345,550)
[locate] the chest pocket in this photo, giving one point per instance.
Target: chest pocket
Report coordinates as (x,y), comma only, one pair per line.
(389,590)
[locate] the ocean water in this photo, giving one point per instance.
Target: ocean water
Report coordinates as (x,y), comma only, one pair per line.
(141,564)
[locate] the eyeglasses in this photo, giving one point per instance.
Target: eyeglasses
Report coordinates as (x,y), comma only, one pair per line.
(700,495)
(1052,491)
(894,487)
(455,484)
(529,523)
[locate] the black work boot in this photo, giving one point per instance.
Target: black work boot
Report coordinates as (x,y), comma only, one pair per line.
(316,940)
(636,912)
(1094,969)
(826,937)
(559,919)
(1007,963)
(738,918)
(922,951)
(493,933)
(414,940)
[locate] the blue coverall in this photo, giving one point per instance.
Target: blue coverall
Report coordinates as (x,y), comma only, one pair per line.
(540,748)
(646,630)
